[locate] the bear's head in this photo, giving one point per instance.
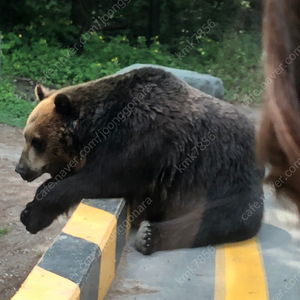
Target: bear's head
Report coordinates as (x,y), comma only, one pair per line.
(48,143)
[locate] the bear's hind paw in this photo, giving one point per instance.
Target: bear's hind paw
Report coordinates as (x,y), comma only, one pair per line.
(144,239)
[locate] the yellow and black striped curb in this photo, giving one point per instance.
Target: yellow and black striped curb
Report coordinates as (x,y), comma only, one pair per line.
(81,263)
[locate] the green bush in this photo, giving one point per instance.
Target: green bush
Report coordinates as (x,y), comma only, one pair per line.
(101,57)
(14,109)
(238,63)
(235,59)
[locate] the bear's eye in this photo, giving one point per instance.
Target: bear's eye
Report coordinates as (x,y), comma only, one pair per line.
(39,144)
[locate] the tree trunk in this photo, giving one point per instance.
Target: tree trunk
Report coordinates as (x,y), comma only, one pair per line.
(154,20)
(81,15)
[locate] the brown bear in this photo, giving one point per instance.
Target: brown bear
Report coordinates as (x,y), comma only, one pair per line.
(143,135)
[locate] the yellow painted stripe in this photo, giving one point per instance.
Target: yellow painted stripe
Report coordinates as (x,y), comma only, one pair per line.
(220,288)
(92,224)
(99,227)
(108,263)
(45,285)
(245,277)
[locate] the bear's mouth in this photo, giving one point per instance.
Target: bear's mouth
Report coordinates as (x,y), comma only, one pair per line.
(30,177)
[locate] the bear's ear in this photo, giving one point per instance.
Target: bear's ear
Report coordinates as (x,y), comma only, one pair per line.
(41,92)
(62,104)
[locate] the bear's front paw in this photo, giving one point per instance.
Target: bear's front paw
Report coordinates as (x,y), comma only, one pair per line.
(34,217)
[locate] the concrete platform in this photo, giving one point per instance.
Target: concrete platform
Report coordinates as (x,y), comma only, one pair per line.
(264,268)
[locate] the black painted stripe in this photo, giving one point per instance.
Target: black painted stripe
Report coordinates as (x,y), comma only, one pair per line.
(111,205)
(77,260)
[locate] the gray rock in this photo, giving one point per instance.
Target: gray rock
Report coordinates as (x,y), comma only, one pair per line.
(206,83)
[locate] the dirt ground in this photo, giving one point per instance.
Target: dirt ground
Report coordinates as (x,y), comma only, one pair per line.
(19,250)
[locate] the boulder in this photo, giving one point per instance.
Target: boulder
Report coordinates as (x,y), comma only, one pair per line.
(206,83)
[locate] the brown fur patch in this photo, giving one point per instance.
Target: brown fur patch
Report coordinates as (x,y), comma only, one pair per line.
(45,123)
(279,134)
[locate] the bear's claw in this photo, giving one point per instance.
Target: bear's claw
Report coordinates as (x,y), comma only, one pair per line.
(144,240)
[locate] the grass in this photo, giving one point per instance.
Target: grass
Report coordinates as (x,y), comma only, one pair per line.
(39,254)
(14,108)
(3,232)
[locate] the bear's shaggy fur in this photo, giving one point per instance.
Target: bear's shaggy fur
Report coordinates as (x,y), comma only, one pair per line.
(143,135)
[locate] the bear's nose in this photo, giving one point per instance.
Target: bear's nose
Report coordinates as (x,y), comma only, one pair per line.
(20,169)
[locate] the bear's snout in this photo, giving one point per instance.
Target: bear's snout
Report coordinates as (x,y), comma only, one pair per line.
(25,172)
(20,169)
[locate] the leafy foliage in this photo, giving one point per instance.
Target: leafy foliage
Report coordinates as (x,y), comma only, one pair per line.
(14,109)
(47,46)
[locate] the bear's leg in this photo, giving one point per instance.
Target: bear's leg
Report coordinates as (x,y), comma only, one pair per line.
(176,233)
(222,221)
(237,218)
(54,198)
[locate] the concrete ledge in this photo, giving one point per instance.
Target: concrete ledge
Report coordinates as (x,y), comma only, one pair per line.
(81,263)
